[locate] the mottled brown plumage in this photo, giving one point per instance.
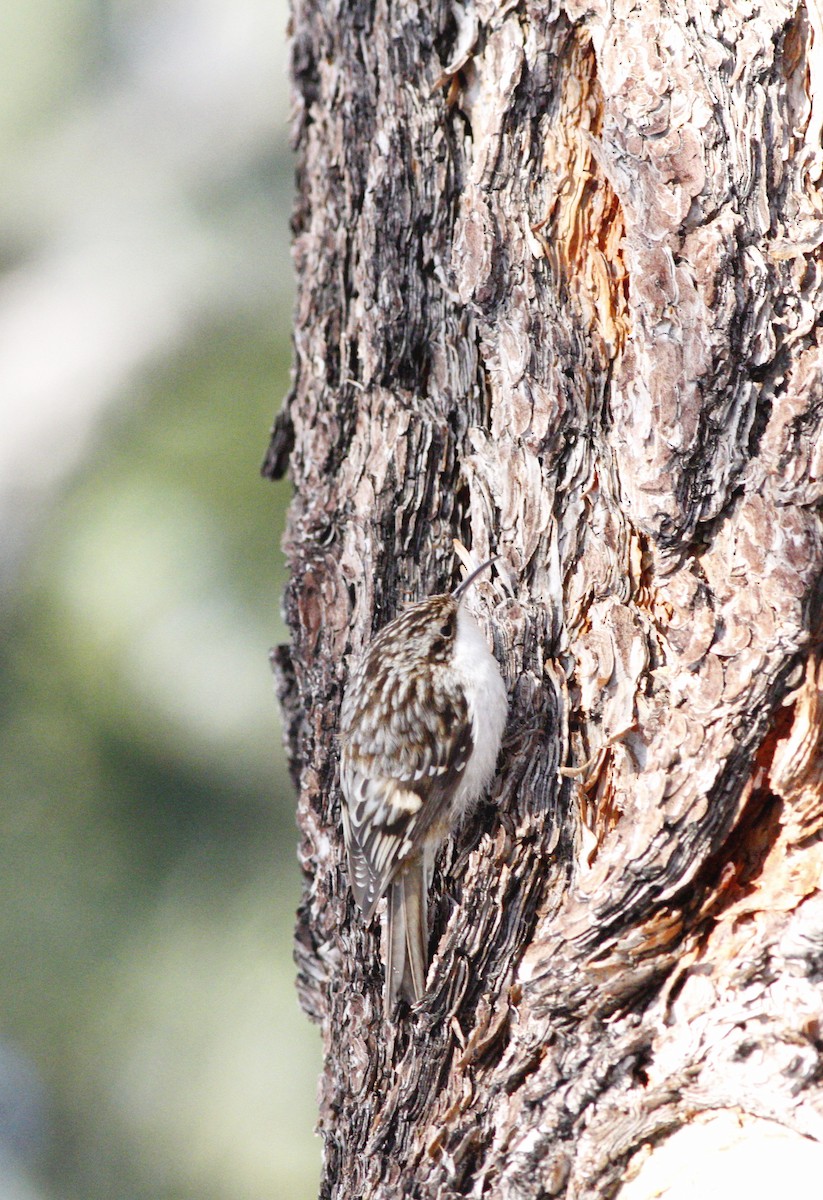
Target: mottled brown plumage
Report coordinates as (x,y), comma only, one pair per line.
(421,725)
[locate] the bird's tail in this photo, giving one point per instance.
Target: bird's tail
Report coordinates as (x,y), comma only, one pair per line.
(407,937)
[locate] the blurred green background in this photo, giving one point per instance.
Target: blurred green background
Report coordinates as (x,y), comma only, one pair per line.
(150,1041)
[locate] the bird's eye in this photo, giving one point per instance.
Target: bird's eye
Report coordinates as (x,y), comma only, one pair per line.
(448,628)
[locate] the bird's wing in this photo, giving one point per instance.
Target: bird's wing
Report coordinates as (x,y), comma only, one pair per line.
(398,786)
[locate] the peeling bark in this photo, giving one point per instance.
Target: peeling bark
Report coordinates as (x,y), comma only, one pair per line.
(559,283)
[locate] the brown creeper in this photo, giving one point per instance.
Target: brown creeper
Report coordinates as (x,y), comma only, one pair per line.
(420,729)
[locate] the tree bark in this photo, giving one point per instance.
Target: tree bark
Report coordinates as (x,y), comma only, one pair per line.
(559,294)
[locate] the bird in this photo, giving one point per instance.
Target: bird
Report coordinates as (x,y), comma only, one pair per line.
(421,726)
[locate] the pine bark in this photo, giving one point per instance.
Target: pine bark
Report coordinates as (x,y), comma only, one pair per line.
(559,291)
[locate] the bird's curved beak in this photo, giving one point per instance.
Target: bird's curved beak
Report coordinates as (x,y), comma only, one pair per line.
(462,587)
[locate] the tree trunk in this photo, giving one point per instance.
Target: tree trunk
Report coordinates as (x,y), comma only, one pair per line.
(559,284)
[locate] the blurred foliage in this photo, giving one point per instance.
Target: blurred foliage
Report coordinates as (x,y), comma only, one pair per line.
(151,1047)
(35,69)
(147,868)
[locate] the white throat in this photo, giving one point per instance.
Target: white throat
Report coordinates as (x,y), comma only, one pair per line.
(486,696)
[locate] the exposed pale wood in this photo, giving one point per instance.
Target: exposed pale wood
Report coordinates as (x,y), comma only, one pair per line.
(559,285)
